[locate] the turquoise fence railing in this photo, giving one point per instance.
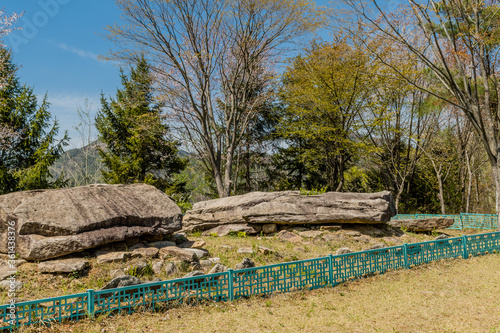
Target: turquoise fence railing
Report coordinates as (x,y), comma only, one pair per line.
(462,221)
(312,273)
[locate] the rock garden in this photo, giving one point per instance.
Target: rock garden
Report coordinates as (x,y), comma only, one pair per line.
(107,236)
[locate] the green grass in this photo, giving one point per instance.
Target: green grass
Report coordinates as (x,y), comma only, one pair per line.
(446,296)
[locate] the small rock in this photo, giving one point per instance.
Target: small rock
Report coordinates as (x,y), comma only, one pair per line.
(200,253)
(198,244)
(215,260)
(442,236)
(289,236)
(138,268)
(157,267)
(265,250)
(352,233)
(113,257)
(218,269)
(227,247)
(332,237)
(245,250)
(11,285)
(116,273)
(206,264)
(183,254)
(224,230)
(310,233)
(162,244)
(269,228)
(343,250)
(363,239)
(376,246)
(192,274)
(145,252)
(171,269)
(63,266)
(245,263)
(6,270)
(330,227)
(300,249)
(122,281)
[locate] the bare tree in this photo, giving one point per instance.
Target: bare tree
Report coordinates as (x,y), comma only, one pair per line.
(209,58)
(458,42)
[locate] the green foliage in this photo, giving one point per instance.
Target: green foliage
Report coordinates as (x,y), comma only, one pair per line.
(313,191)
(324,92)
(25,158)
(138,144)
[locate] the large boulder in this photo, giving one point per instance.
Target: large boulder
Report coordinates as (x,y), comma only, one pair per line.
(290,207)
(53,223)
(426,224)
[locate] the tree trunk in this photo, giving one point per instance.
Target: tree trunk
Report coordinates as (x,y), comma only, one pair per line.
(441,194)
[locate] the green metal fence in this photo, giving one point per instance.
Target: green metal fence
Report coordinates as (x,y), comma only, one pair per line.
(312,273)
(462,221)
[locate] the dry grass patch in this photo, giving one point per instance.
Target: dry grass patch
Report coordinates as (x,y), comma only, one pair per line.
(446,296)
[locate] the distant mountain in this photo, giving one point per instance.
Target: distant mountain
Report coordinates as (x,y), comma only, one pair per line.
(83,165)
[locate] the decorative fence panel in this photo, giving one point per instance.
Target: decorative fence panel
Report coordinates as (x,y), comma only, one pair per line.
(462,221)
(312,273)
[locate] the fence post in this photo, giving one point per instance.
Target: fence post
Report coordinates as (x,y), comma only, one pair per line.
(230,284)
(90,302)
(330,268)
(464,244)
(462,222)
(405,250)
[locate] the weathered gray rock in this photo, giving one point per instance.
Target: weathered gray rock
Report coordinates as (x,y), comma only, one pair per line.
(162,244)
(182,254)
(171,268)
(122,281)
(343,250)
(137,268)
(157,266)
(113,257)
(145,252)
(215,260)
(289,236)
(311,233)
(9,267)
(199,244)
(332,237)
(245,263)
(224,230)
(11,285)
(442,236)
(427,224)
(193,273)
(245,250)
(206,264)
(269,228)
(53,223)
(265,250)
(200,253)
(376,246)
(218,268)
(289,207)
(63,266)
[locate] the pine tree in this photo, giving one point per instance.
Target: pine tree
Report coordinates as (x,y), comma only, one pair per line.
(138,144)
(29,146)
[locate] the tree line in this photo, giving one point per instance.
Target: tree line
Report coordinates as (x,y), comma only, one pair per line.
(403,100)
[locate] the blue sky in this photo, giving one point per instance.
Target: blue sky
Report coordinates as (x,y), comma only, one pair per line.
(57,52)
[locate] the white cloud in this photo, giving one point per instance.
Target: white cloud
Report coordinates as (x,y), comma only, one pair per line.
(77,51)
